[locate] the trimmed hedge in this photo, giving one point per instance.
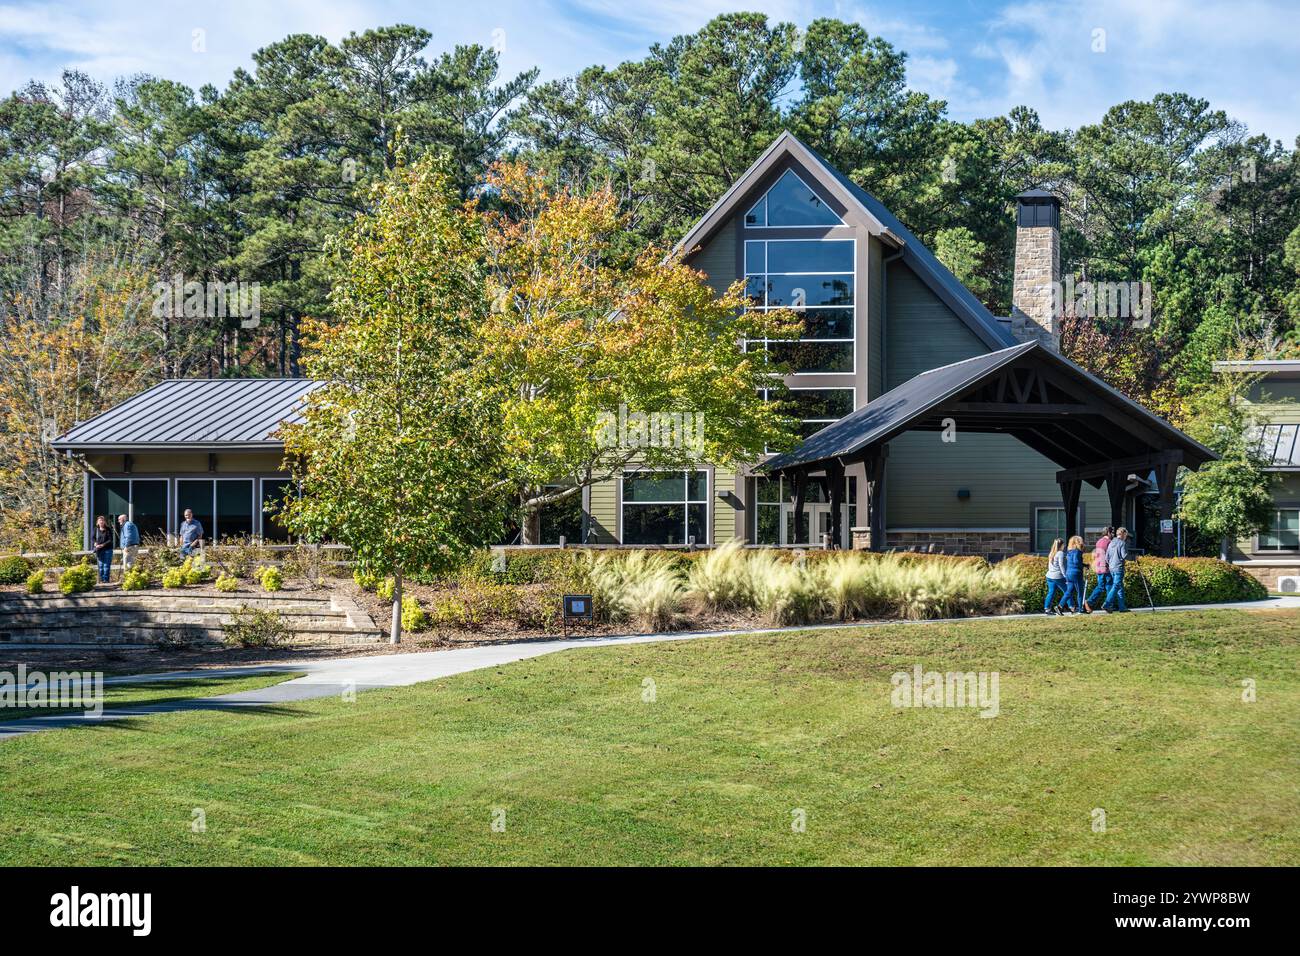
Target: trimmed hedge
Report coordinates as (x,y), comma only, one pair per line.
(1172,581)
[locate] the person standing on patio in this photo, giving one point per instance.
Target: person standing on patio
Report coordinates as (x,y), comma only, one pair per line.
(129,539)
(1055,577)
(103,545)
(191,533)
(1116,556)
(1100,567)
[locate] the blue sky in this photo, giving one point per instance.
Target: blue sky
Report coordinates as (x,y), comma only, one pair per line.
(983,58)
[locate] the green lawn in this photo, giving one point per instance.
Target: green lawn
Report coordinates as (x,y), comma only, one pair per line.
(1139,715)
(157,692)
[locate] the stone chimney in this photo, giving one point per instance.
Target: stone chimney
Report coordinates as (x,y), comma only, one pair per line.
(1037,269)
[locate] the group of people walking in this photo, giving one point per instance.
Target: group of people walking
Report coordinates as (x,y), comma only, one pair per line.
(1065,574)
(128,538)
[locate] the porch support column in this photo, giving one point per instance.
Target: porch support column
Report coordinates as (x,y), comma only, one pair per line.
(1070,499)
(1115,485)
(835,478)
(1166,475)
(800,490)
(875,468)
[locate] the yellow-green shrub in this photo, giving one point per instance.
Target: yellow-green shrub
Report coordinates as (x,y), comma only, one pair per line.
(36,582)
(414,617)
(272,579)
(227,582)
(135,579)
(79,577)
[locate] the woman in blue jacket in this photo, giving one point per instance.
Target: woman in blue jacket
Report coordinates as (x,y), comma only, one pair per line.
(1073,598)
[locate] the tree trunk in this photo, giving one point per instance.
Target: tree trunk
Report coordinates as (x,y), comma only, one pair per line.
(1225,548)
(531,530)
(395,629)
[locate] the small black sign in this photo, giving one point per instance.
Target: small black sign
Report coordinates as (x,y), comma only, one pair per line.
(577,607)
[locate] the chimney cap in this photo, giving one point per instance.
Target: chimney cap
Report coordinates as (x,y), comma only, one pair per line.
(1036,197)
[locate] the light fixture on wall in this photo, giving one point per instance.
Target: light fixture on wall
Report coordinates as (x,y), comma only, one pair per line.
(963,494)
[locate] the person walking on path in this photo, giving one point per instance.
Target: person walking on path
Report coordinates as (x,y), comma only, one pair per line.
(1055,577)
(1100,567)
(103,545)
(129,539)
(1116,557)
(1073,563)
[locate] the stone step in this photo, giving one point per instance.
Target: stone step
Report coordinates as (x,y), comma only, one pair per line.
(161,616)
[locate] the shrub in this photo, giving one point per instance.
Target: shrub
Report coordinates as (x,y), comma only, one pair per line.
(384,589)
(135,579)
(240,557)
(366,580)
(308,562)
(195,570)
(79,577)
(227,582)
(36,582)
(14,569)
(473,605)
(414,617)
(255,627)
(562,568)
(1169,584)
(272,579)
(173,578)
(644,587)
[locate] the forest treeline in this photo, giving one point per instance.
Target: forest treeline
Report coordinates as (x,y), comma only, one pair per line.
(108,191)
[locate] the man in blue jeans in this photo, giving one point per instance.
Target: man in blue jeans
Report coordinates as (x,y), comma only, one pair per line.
(1116,556)
(191,533)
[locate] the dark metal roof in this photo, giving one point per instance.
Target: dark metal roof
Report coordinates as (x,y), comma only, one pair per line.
(1072,439)
(197,413)
(1038,194)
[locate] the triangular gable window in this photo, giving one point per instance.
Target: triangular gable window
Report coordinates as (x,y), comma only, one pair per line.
(791,203)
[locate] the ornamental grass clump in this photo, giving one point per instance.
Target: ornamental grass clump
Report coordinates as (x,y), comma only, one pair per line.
(644,587)
(789,592)
(723,579)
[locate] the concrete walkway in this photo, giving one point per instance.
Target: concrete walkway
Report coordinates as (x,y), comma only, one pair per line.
(332,678)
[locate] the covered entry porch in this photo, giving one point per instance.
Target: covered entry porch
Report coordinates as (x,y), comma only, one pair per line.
(1094,434)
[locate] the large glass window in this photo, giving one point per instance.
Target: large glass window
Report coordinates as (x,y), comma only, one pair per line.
(774,512)
(274,494)
(814,278)
(815,408)
(791,203)
(145,499)
(1283,531)
(224,506)
(665,507)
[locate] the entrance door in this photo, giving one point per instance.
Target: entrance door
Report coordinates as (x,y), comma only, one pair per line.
(817,519)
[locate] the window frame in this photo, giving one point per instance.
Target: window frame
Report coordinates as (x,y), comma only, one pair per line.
(744,218)
(685,503)
(1037,506)
(1278,508)
(852,307)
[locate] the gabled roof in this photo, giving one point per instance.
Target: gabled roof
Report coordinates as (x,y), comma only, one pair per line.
(195,413)
(1067,438)
(880,222)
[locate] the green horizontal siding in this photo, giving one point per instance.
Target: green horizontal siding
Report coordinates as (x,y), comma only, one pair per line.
(604,512)
(1003,476)
(921,332)
(717,259)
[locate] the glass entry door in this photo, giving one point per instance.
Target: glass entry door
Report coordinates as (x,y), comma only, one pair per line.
(817,520)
